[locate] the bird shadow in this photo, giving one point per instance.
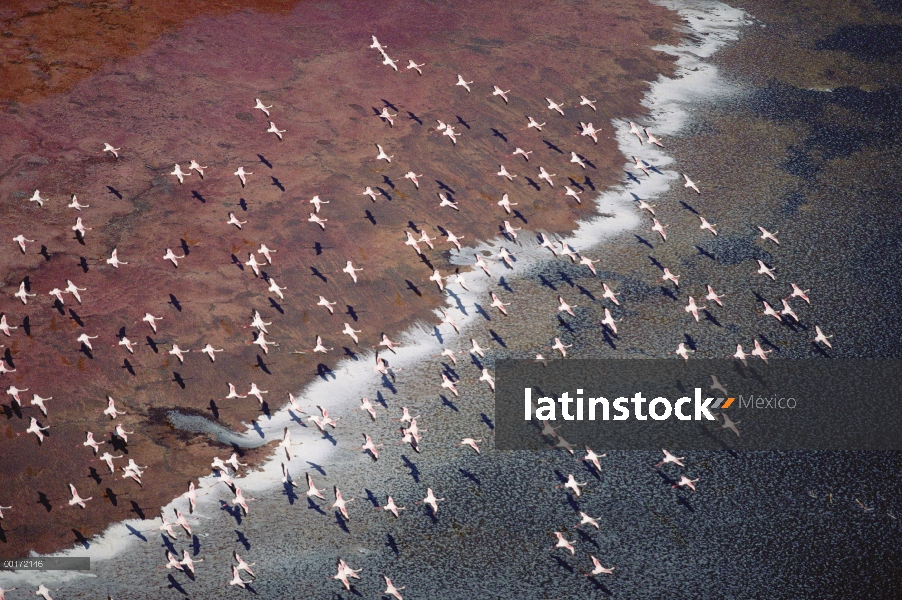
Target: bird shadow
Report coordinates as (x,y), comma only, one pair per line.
(481,311)
(414,471)
(44,252)
(319,469)
(644,241)
(340,520)
(328,437)
(711,318)
(214,409)
(350,353)
(262,365)
(572,502)
(704,252)
(237,262)
(588,467)
(470,476)
(233,511)
(443,186)
(532,183)
(599,586)
(264,161)
(135,532)
(684,502)
(392,544)
(688,207)
(389,104)
(448,403)
(498,339)
(93,474)
(242,540)
(175,585)
(139,512)
(114,191)
(587,538)
(546,283)
(314,272)
(311,505)
(387,181)
(351,312)
(690,342)
(80,539)
(178,379)
(504,284)
(412,287)
(551,146)
(110,495)
(768,343)
(175,302)
(413,117)
(370,217)
(460,305)
(488,421)
(277,183)
(562,564)
(518,215)
(83,263)
(586,293)
(128,367)
(565,324)
(819,350)
(389,385)
(499,135)
(273,303)
(197,195)
(118,444)
(462,122)
(86,351)
(666,291)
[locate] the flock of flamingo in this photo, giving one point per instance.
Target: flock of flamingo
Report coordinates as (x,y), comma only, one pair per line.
(411,432)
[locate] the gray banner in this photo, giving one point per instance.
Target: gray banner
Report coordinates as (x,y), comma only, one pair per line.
(50,563)
(699,404)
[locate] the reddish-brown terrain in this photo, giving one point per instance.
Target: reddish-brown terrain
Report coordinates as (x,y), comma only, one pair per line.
(168,82)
